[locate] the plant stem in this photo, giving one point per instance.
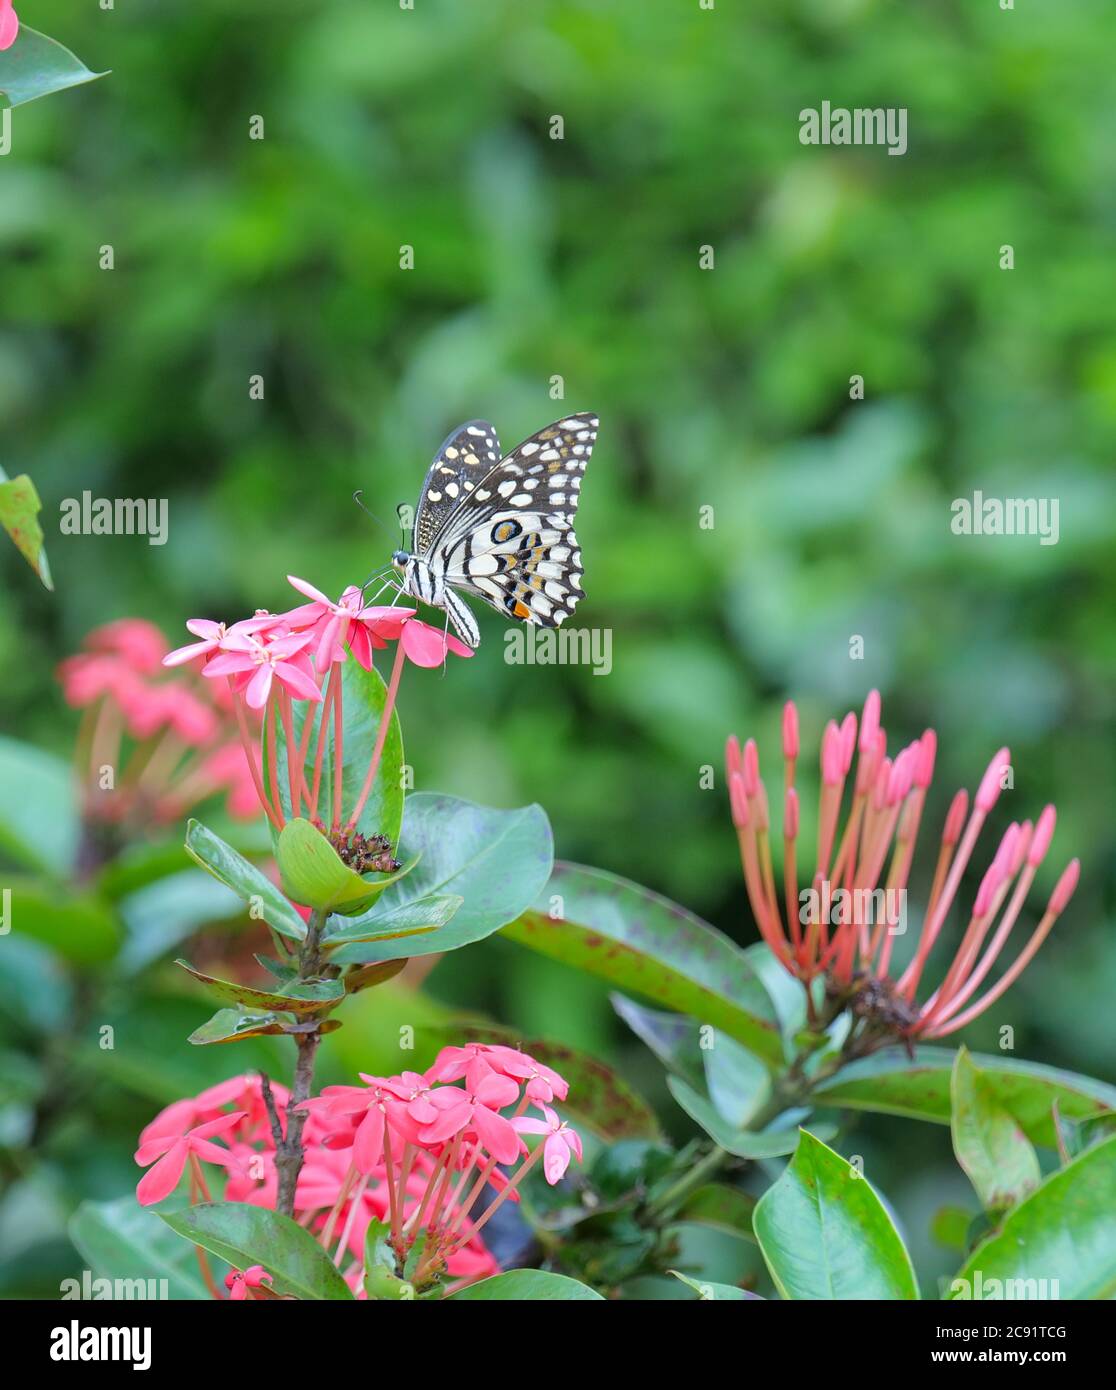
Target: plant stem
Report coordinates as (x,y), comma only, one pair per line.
(289,1154)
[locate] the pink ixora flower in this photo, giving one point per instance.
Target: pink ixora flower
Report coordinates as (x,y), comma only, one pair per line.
(168,1153)
(269,661)
(845,927)
(559,1143)
(239,1281)
(9,25)
(158,732)
(430,1159)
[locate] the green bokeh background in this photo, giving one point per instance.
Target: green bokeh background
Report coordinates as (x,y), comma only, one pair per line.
(726,388)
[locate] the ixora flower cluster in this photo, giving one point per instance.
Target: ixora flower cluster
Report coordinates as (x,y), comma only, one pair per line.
(152,745)
(423,1155)
(271,660)
(844,927)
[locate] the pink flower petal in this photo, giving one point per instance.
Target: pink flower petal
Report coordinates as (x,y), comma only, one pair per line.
(308,589)
(161,1180)
(259,687)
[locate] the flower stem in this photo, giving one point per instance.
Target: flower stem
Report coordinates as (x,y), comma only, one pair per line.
(290,1154)
(381,735)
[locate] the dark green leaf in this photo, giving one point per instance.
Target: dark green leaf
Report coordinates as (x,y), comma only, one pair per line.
(35,66)
(892,1084)
(826,1235)
(230,1025)
(1060,1242)
(122,1240)
(497,861)
(300,997)
(522,1285)
(239,874)
(245,1235)
(990,1146)
(609,927)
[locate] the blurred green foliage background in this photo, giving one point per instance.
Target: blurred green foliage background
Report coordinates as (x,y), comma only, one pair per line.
(725,388)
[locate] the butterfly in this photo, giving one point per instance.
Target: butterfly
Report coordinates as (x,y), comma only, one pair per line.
(501,527)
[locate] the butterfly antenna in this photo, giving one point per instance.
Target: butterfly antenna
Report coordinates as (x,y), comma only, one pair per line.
(357,498)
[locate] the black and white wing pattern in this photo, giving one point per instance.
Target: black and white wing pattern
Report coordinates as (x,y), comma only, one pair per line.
(512,540)
(464,458)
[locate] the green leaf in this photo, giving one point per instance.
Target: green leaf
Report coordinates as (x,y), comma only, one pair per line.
(39,824)
(995,1153)
(368,976)
(380,1278)
(230,1025)
(522,1285)
(738,1083)
(673,1038)
(497,861)
(35,66)
(300,997)
(892,1084)
(313,872)
(709,1292)
(20,506)
(1075,1136)
(122,1240)
(826,1235)
(237,873)
(641,942)
(771,1144)
(78,926)
(721,1207)
(345,939)
(598,1098)
(1065,1231)
(363,697)
(245,1235)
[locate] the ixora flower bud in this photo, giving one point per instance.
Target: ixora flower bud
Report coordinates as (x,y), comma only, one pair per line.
(844,927)
(418,1162)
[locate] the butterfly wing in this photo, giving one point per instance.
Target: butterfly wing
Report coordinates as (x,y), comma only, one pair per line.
(512,540)
(466,455)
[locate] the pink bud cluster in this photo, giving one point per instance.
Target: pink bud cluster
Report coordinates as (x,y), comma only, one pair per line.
(271,660)
(873,847)
(425,1153)
(152,745)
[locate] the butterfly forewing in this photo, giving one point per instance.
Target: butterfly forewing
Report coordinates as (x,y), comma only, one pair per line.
(465,457)
(511,540)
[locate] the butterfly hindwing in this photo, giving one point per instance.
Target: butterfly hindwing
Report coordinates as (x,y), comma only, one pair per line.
(464,458)
(512,540)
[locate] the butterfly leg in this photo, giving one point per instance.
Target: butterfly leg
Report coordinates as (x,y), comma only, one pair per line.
(376,574)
